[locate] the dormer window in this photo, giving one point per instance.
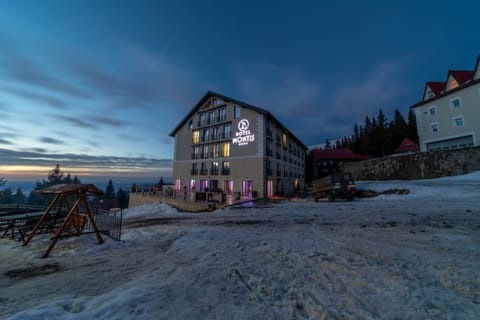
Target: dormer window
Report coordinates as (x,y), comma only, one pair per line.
(452,84)
(431,94)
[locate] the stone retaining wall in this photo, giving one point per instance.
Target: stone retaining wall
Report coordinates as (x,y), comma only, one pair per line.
(421,165)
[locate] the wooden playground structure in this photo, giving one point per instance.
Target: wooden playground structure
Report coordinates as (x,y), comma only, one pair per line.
(69,199)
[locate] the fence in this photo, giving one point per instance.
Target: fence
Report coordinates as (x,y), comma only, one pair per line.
(108,223)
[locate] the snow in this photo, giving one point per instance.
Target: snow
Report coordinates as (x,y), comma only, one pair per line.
(413,256)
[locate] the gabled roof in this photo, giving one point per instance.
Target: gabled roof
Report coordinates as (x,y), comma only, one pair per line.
(461,76)
(210,94)
(436,86)
(338,154)
(407,145)
(464,78)
(477,68)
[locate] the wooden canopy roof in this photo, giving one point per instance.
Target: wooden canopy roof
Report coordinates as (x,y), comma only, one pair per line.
(72,189)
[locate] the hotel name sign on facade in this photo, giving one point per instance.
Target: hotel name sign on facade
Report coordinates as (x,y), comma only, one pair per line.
(243,136)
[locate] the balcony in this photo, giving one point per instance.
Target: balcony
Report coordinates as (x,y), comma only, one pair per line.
(214,171)
(194,172)
(203,172)
(225,171)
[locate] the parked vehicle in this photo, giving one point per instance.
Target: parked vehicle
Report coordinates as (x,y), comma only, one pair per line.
(336,185)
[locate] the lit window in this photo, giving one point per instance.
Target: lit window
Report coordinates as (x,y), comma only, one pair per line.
(455,102)
(284,139)
(458,121)
(432,110)
(236,112)
(434,127)
(216,150)
(226,149)
(196,136)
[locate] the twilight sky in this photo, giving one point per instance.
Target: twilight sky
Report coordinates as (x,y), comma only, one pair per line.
(97,86)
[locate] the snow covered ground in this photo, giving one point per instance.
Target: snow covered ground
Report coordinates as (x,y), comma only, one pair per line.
(414,256)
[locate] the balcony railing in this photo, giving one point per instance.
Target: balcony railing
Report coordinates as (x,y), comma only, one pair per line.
(203,172)
(214,171)
(225,171)
(194,172)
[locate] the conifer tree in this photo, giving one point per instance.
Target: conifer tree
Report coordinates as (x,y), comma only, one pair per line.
(110,190)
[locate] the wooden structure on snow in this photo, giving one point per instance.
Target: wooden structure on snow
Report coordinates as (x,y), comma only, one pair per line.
(68,198)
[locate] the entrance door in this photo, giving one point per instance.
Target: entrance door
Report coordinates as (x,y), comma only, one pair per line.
(270,188)
(247,188)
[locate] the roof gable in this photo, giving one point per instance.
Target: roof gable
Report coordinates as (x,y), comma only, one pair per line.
(433,89)
(407,145)
(457,78)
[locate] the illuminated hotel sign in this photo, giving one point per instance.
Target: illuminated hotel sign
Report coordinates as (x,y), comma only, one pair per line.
(243,136)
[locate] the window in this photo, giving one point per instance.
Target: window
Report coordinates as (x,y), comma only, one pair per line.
(284,139)
(190,124)
(214,102)
(432,110)
(196,136)
(226,149)
(203,185)
(191,185)
(225,168)
(431,94)
(236,112)
(216,150)
(196,153)
(216,133)
(205,135)
(205,151)
(211,117)
(194,169)
(228,186)
(201,119)
(214,169)
(458,121)
(434,127)
(203,169)
(221,114)
(455,102)
(226,131)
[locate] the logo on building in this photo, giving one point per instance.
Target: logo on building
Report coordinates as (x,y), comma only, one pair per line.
(243,125)
(243,136)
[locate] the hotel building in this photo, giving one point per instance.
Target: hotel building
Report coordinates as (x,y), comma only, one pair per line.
(448,117)
(229,145)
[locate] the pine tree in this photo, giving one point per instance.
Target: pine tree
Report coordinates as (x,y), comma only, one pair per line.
(19,197)
(110,190)
(55,176)
(122,197)
(412,133)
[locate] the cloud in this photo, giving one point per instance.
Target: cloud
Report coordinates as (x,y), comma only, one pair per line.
(74,121)
(23,69)
(36,97)
(4,141)
(50,140)
(108,121)
(28,158)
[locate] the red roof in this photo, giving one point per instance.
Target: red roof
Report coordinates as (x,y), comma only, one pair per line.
(437,87)
(407,145)
(462,76)
(338,154)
